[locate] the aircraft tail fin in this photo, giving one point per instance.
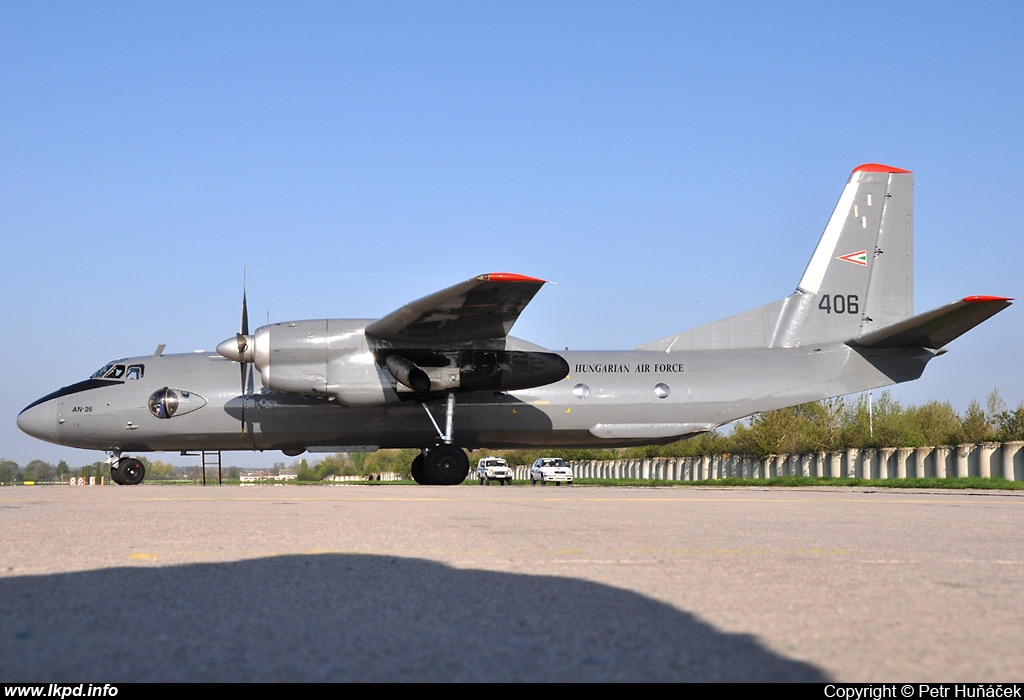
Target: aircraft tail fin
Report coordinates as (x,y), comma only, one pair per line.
(861,275)
(859,279)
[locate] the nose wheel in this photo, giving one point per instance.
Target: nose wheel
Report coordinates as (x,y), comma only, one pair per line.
(126,471)
(132,471)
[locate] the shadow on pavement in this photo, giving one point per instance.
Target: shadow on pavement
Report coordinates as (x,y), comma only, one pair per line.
(337,617)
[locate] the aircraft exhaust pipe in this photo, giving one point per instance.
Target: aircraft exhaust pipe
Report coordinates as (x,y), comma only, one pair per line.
(408,374)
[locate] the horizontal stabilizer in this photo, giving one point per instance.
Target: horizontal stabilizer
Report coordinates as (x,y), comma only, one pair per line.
(935,328)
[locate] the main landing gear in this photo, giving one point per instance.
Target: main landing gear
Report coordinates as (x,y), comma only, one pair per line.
(125,471)
(444,464)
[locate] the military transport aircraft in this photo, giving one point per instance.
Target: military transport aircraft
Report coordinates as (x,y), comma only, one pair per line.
(443,374)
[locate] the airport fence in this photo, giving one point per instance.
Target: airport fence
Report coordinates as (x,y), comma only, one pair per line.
(985,460)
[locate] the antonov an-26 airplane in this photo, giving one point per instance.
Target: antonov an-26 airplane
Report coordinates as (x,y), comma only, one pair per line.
(443,374)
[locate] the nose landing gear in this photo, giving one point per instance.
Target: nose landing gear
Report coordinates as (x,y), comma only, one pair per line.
(125,471)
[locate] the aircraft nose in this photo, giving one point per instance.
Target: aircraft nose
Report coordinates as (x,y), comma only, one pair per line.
(40,420)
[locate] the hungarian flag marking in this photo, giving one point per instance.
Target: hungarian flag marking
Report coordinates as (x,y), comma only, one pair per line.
(858,258)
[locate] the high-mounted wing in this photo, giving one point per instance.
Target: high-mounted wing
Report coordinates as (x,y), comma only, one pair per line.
(482,308)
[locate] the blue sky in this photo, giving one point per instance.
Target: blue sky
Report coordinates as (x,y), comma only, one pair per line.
(667,163)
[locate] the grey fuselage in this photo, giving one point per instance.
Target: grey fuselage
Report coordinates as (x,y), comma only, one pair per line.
(608,399)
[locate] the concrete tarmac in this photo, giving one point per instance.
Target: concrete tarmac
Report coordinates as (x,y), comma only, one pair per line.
(404,583)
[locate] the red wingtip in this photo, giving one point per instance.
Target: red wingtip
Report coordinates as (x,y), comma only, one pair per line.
(878,168)
(507,277)
(983,298)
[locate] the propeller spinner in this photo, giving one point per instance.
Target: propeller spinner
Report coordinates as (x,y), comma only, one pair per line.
(240,347)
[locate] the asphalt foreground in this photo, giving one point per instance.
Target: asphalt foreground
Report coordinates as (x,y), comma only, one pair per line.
(405,583)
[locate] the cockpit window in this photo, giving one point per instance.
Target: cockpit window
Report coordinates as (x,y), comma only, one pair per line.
(101,371)
(111,370)
(118,370)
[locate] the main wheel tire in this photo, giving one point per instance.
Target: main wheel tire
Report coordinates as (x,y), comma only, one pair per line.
(446,465)
(115,475)
(132,471)
(417,470)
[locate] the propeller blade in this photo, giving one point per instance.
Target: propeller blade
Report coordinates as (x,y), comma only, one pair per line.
(243,345)
(245,397)
(241,349)
(242,365)
(245,313)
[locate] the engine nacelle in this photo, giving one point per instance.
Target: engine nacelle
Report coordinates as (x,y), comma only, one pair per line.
(322,358)
(336,358)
